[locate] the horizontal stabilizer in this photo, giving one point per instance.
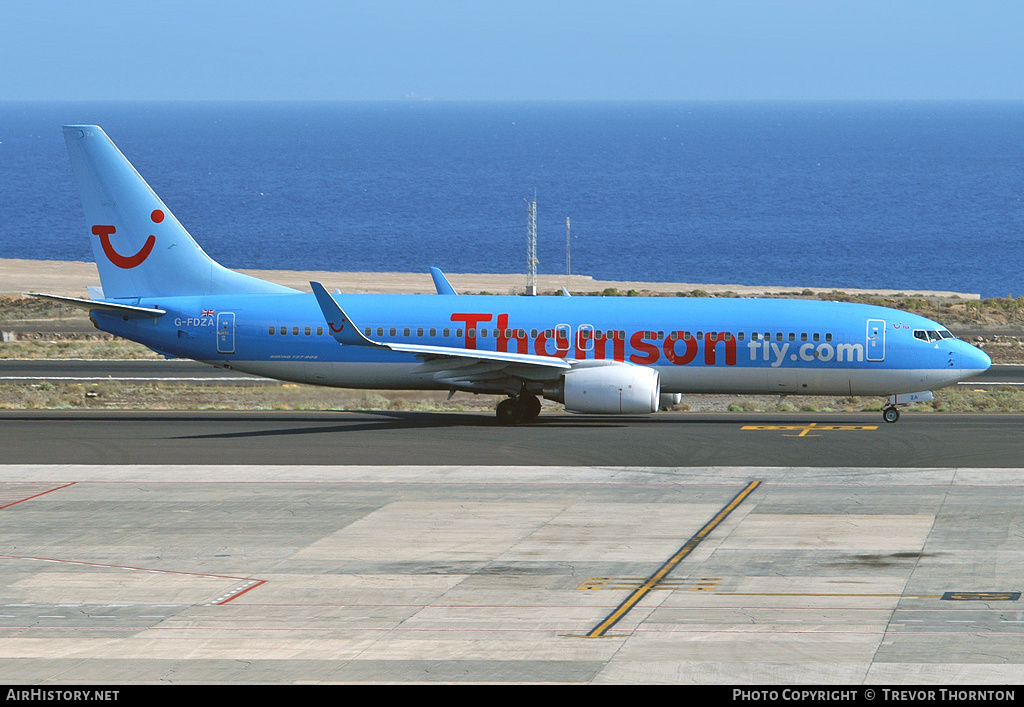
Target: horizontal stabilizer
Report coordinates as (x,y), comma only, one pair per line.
(127,310)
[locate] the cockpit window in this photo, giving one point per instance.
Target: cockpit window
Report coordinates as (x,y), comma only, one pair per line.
(924,335)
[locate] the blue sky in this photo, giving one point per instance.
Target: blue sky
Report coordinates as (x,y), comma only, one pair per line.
(525,50)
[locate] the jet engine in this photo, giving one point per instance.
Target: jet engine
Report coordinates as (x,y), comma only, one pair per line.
(670,399)
(608,390)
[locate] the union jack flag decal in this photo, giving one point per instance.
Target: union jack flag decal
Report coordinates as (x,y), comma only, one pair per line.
(208,313)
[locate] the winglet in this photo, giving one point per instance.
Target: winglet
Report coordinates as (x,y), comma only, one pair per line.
(343,329)
(441,282)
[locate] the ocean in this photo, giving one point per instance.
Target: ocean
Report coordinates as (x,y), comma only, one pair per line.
(908,196)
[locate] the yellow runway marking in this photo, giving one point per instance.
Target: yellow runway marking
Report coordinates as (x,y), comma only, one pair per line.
(707,584)
(804,429)
(981,596)
(703,584)
(825,594)
(655,579)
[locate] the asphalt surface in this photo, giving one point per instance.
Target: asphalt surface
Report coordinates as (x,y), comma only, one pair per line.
(413,438)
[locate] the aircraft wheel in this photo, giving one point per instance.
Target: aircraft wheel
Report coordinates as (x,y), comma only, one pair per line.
(530,406)
(890,415)
(509,412)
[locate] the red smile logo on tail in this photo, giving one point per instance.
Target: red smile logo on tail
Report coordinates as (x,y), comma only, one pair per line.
(127,261)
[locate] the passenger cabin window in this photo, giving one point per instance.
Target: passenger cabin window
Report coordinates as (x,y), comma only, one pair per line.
(271,332)
(320,331)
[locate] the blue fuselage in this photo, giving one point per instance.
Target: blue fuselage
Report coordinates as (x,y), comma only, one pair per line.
(698,345)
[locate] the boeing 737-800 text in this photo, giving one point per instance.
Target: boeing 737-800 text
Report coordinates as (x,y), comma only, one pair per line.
(600,355)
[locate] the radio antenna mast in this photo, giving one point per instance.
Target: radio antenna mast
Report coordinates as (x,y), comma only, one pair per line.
(531,247)
(568,261)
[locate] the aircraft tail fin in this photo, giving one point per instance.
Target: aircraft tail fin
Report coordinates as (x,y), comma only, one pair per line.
(141,250)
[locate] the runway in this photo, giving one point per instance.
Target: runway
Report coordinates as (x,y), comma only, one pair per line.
(411,438)
(360,547)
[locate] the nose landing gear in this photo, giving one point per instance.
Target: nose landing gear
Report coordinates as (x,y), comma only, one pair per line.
(890,413)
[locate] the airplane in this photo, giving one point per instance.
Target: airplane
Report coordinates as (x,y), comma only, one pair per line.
(595,355)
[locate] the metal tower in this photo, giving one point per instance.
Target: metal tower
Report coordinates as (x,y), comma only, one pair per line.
(531,247)
(568,262)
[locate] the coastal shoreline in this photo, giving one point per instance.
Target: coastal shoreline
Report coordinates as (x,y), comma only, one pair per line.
(71,278)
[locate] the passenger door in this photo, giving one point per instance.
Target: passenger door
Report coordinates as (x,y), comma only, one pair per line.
(876,340)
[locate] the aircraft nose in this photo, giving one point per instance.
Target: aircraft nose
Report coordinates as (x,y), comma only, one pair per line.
(973,360)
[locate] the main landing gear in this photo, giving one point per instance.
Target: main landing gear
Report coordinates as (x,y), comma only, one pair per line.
(521,408)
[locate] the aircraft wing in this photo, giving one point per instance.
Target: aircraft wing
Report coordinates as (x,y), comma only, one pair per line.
(444,362)
(127,310)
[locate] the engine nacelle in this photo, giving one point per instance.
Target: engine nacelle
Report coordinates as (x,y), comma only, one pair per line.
(670,399)
(608,390)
